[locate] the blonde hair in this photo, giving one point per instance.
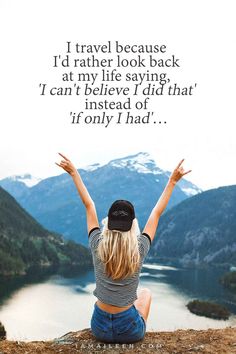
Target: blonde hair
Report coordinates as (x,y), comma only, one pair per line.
(119,251)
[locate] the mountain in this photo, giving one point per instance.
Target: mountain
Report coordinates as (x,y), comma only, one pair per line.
(200,230)
(19,185)
(24,242)
(55,203)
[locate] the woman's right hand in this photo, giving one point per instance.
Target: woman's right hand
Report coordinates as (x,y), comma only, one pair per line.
(178,173)
(67,165)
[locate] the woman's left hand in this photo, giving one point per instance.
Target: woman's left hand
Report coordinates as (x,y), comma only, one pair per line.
(67,165)
(178,172)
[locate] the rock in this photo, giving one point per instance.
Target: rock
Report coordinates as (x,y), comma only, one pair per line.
(179,342)
(3,332)
(208,309)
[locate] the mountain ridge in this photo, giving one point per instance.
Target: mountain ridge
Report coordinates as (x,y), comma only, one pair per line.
(54,201)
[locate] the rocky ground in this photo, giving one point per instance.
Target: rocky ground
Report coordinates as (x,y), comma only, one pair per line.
(182,341)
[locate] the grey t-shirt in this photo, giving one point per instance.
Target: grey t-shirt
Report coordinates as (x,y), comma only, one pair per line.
(120,292)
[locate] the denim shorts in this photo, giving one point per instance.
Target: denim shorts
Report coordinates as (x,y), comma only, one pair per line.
(127,326)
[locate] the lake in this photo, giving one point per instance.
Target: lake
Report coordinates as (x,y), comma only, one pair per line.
(40,307)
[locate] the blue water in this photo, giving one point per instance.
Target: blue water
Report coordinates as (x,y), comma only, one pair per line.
(45,307)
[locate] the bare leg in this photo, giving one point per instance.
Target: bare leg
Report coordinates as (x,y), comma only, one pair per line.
(143,302)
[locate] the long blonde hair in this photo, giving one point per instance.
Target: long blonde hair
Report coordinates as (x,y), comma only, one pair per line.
(118,250)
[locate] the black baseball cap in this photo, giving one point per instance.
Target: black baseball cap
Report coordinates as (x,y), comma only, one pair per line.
(121,215)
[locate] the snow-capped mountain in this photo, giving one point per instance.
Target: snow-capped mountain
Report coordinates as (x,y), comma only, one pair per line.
(27,179)
(18,185)
(141,162)
(54,201)
(91,167)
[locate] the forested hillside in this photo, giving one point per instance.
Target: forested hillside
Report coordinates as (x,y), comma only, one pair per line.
(24,242)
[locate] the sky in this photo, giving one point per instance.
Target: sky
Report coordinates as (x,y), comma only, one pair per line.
(200,127)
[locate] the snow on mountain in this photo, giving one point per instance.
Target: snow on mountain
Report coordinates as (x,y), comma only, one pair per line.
(191,191)
(27,179)
(92,167)
(141,162)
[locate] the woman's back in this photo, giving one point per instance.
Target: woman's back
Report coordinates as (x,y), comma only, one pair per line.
(118,292)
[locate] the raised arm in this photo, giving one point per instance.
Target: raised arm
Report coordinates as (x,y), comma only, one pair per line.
(92,220)
(152,223)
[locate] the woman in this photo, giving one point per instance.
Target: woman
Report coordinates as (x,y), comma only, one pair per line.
(120,314)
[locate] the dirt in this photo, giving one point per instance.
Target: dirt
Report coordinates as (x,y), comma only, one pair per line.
(181,341)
